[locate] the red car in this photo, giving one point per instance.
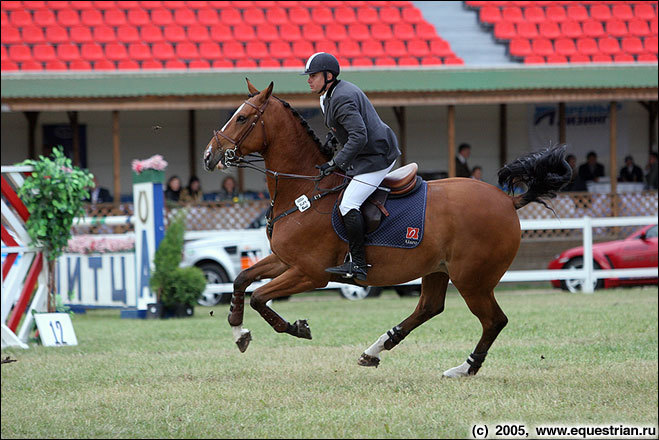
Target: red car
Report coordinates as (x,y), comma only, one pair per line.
(637,250)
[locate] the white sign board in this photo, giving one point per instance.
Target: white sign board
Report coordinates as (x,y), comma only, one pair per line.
(55,329)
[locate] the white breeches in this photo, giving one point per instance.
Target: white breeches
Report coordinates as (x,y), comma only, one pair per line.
(360,187)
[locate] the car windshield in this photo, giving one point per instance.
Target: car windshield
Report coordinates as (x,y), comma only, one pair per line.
(652,232)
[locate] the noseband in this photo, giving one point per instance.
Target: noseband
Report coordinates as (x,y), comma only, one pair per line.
(230,155)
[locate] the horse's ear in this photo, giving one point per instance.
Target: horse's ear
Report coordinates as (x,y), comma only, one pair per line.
(268,91)
(252,90)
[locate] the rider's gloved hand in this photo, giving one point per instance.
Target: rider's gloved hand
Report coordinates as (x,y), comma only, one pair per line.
(330,141)
(327,168)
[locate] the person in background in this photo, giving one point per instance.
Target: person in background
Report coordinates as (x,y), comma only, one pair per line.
(477,173)
(99,194)
(461,166)
(591,171)
(630,172)
(575,184)
(651,172)
(229,190)
(193,191)
(173,190)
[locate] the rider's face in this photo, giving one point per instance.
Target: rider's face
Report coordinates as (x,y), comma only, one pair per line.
(316,82)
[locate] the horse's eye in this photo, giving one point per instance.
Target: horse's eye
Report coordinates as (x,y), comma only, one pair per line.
(241,119)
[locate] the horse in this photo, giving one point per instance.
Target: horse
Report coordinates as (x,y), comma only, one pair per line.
(472,231)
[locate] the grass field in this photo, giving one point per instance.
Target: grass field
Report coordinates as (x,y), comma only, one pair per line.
(563,359)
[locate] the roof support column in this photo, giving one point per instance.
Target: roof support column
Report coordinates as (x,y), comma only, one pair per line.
(402,129)
(613,152)
(31,132)
(503,134)
(451,140)
(75,132)
(116,157)
(192,142)
(562,124)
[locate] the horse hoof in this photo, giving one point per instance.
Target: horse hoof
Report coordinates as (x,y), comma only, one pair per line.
(366,360)
(302,329)
(459,371)
(243,341)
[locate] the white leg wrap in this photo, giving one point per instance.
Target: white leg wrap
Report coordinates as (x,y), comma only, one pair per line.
(375,349)
(238,331)
(459,371)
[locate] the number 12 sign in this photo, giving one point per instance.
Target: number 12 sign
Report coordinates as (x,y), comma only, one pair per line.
(55,329)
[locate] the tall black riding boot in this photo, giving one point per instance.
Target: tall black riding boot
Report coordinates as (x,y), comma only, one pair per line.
(357,266)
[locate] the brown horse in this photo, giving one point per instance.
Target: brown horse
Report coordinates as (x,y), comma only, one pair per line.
(472,231)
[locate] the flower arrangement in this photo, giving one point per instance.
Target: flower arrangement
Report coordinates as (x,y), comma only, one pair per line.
(153,163)
(86,244)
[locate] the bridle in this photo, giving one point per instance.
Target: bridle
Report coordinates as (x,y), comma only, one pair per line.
(230,155)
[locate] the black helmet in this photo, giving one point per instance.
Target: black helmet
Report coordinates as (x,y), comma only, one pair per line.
(322,62)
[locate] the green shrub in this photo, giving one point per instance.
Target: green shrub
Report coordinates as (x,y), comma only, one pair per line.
(172,284)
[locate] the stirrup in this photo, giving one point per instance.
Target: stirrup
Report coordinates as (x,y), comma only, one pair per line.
(350,270)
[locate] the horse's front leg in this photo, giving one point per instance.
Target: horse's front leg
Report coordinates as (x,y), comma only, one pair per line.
(290,282)
(269,267)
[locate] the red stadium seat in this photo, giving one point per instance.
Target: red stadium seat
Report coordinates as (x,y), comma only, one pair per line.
(579,58)
(335,32)
(210,50)
(280,49)
(257,49)
(68,17)
(593,29)
(151,64)
(293,62)
(644,11)
(20,18)
(123,4)
(128,34)
(404,31)
(577,12)
(408,61)
(653,26)
(246,63)
(587,46)
(175,4)
(556,59)
(322,15)
(359,32)
(600,12)
(185,17)
(534,14)
(68,52)
(298,15)
(174,33)
(116,52)
(381,31)
(646,58)
(512,14)
(650,44)
(372,48)
(367,15)
(208,16)
(13,5)
(454,60)
(490,14)
(616,28)
(395,48)
(104,65)
(187,51)
(565,46)
(55,65)
(162,51)
(638,28)
(31,65)
(57,34)
(418,48)
(80,65)
(361,62)
(440,47)
(222,64)
(412,15)
(542,46)
(175,64)
(8,66)
(233,50)
(44,17)
(128,65)
(571,29)
(92,52)
(623,58)
(269,63)
(198,33)
(81,34)
(632,45)
(139,51)
(10,35)
(276,15)
(349,49)
(302,49)
(230,16)
(32,34)
(115,17)
(326,46)
(504,30)
(162,17)
(345,15)
(267,32)
(103,5)
(151,34)
(520,47)
(43,52)
(390,15)
(431,60)
(556,13)
(426,30)
(601,58)
(527,30)
(534,59)
(91,17)
(622,11)
(221,33)
(385,61)
(549,29)
(609,45)
(244,32)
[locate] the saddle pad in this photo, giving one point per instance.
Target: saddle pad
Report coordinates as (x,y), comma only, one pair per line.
(403,228)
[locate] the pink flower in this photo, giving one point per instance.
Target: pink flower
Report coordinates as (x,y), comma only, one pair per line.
(153,163)
(85,244)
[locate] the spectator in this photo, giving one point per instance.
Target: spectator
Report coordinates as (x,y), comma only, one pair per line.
(477,173)
(99,194)
(228,190)
(651,175)
(461,166)
(193,192)
(173,191)
(575,184)
(591,171)
(630,172)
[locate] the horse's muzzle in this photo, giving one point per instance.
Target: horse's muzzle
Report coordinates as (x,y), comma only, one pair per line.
(211,161)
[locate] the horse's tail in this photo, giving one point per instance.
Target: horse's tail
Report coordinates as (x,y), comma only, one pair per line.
(543,173)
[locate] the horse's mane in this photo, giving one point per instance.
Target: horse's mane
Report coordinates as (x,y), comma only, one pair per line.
(328,152)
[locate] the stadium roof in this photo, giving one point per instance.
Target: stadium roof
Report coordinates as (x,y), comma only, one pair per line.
(185,89)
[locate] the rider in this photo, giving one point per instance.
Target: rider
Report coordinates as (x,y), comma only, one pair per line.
(369,152)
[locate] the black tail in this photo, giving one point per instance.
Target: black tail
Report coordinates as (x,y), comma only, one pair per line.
(543,173)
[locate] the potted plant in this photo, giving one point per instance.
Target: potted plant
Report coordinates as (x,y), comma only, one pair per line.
(176,288)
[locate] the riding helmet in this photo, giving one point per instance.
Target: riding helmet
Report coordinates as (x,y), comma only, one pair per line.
(322,62)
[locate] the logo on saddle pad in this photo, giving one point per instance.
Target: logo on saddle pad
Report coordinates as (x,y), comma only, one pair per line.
(412,235)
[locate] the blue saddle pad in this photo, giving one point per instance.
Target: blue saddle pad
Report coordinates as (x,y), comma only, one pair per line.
(403,228)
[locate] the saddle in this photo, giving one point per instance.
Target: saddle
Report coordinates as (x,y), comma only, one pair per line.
(401,182)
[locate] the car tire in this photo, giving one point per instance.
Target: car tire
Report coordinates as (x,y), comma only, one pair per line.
(574,285)
(408,290)
(356,293)
(215,274)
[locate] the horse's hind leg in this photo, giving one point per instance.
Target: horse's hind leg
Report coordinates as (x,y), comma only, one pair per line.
(493,320)
(431,303)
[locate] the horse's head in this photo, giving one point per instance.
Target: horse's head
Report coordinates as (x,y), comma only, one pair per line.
(239,137)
